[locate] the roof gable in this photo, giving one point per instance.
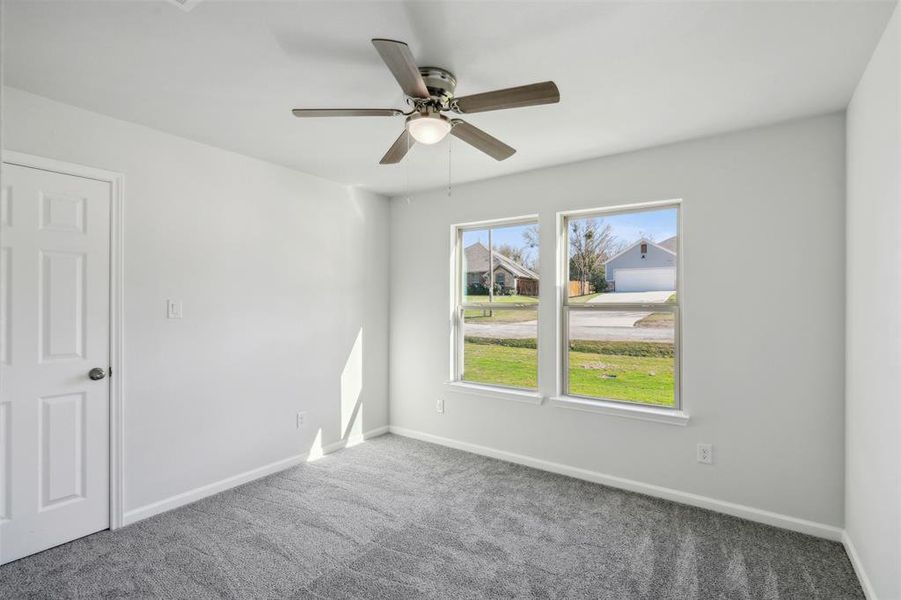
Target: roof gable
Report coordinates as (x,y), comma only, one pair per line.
(641,241)
(477,261)
(671,244)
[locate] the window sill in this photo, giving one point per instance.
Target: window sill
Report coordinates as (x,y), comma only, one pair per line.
(618,409)
(473,389)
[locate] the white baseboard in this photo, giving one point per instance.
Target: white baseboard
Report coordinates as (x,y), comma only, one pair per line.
(868,590)
(828,532)
(172,502)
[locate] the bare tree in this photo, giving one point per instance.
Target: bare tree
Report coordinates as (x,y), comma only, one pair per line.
(530,236)
(530,240)
(591,243)
(515,254)
(523,255)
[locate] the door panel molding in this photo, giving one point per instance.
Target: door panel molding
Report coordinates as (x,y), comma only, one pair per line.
(62,470)
(116,183)
(61,331)
(4,461)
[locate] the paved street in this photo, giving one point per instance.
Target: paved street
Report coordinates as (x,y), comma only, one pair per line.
(584,325)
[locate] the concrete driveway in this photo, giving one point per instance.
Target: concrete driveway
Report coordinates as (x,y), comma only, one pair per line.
(631,297)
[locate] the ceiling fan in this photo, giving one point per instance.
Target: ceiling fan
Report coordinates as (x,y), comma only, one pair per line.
(430,92)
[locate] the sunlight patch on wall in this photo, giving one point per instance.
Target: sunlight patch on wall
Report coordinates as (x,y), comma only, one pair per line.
(316,450)
(351,387)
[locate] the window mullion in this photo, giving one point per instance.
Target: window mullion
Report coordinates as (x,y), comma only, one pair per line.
(460,342)
(624,307)
(500,306)
(490,269)
(565,337)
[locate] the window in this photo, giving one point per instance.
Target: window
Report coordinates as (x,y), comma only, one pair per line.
(496,318)
(621,306)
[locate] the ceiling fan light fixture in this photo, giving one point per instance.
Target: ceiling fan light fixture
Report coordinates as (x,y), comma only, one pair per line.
(429,128)
(430,92)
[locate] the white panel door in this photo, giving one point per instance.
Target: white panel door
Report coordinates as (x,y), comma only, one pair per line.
(54,328)
(645,280)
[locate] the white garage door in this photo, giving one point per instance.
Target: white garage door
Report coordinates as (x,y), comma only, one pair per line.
(645,280)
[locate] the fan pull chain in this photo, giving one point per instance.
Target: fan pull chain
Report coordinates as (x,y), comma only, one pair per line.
(407,167)
(449,144)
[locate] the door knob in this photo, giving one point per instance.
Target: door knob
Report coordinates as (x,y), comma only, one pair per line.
(97,373)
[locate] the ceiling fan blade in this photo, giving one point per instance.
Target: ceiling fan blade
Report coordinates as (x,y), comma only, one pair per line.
(398,149)
(400,61)
(488,144)
(346,112)
(516,97)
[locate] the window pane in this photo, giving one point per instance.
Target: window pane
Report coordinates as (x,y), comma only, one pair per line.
(627,257)
(500,347)
(622,355)
(514,260)
(475,266)
(515,263)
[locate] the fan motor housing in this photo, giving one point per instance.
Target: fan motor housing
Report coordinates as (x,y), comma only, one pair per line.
(440,82)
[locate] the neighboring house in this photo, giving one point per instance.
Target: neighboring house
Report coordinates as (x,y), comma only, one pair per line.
(670,244)
(644,266)
(508,274)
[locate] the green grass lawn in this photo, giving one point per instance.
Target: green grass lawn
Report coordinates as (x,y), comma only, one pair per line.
(645,379)
(658,320)
(582,299)
(476,315)
(500,365)
(665,320)
(515,299)
(633,371)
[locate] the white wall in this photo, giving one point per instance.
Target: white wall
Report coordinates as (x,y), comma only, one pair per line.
(873,376)
(279,273)
(763,352)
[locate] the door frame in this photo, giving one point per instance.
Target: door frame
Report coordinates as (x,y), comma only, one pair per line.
(117,314)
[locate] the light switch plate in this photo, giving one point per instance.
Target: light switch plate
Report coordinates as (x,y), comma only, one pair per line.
(173,309)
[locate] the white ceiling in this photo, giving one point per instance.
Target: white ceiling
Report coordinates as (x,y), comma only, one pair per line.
(631,74)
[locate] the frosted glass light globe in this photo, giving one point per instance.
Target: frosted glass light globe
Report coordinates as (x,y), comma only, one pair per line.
(429,129)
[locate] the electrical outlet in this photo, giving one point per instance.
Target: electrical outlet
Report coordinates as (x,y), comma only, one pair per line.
(705,454)
(439,405)
(301,417)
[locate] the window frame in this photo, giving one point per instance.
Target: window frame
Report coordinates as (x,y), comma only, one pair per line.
(565,308)
(459,306)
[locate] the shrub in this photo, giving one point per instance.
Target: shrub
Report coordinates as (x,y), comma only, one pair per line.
(598,282)
(477,289)
(508,342)
(650,349)
(645,349)
(480,289)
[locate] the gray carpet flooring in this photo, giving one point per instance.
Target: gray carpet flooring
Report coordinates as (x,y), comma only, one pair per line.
(397,518)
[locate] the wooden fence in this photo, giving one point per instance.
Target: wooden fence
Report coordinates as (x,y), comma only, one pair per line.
(527,287)
(576,288)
